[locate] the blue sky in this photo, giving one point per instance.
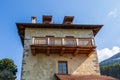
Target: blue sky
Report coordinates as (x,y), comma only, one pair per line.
(106,12)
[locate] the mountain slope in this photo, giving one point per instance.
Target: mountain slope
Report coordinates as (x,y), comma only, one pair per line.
(115,59)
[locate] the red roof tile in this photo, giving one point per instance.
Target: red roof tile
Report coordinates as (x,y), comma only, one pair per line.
(83,77)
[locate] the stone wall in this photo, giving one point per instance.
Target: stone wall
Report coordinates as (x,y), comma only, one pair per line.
(30,32)
(42,67)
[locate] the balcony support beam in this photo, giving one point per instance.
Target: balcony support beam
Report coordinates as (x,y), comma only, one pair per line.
(76,52)
(91,52)
(48,51)
(62,51)
(33,51)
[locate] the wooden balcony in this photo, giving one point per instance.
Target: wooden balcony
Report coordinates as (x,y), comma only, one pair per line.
(61,46)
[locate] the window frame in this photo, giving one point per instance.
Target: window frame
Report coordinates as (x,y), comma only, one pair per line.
(70,40)
(63,67)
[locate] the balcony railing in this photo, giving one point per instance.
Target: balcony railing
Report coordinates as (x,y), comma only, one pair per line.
(62,45)
(57,41)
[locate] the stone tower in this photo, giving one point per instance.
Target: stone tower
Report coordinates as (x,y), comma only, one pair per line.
(55,51)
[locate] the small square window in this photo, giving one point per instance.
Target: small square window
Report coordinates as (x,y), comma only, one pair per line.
(62,67)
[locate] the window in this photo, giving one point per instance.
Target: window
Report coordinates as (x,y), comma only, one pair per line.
(62,67)
(52,41)
(70,40)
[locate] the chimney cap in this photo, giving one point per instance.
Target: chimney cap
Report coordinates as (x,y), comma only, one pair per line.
(33,17)
(47,19)
(68,19)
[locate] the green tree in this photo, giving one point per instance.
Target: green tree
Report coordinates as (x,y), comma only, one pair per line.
(111,70)
(8,69)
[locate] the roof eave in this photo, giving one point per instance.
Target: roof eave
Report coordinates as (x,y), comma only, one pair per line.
(21,27)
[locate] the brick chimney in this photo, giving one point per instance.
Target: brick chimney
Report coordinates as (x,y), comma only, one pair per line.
(68,20)
(33,19)
(47,19)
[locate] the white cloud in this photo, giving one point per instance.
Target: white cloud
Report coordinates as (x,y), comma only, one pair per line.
(114,13)
(106,53)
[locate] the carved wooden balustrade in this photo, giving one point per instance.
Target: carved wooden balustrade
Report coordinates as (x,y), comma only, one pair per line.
(62,45)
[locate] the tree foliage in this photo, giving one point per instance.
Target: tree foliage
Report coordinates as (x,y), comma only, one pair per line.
(8,69)
(111,70)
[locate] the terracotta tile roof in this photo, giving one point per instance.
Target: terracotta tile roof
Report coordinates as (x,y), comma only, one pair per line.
(83,77)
